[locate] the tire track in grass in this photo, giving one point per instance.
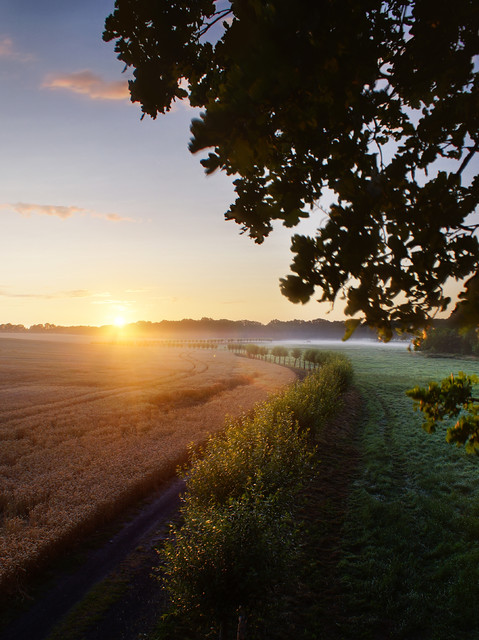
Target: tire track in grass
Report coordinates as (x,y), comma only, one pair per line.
(399,539)
(377,538)
(321,607)
(316,609)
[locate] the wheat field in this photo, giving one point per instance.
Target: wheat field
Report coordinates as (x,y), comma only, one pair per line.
(86,428)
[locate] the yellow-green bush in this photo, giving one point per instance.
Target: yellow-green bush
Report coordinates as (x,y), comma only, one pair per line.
(250,450)
(313,401)
(236,554)
(238,539)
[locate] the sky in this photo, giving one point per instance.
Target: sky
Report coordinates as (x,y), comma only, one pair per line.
(104,215)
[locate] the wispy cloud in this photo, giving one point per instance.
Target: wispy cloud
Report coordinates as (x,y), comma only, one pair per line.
(9,51)
(26,209)
(60,211)
(96,298)
(76,293)
(89,84)
(111,217)
(106,298)
(120,304)
(6,47)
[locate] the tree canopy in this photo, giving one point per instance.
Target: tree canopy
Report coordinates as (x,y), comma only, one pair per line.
(373,103)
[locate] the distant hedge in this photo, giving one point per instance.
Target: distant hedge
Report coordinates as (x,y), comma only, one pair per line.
(238,540)
(449,340)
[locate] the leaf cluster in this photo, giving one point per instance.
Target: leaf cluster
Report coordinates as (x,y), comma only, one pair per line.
(374,101)
(452,398)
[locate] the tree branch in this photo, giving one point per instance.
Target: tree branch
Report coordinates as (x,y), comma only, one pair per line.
(219,16)
(467,159)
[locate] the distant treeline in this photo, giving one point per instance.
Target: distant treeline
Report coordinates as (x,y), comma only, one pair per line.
(208,328)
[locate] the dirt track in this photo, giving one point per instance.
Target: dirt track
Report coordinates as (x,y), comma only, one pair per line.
(144,529)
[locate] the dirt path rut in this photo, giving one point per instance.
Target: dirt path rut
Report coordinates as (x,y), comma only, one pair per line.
(145,529)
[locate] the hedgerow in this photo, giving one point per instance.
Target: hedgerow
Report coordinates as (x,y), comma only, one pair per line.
(239,540)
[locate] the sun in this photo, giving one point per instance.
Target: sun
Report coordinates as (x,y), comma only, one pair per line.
(119,321)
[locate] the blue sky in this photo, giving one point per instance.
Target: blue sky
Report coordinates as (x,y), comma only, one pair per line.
(104,214)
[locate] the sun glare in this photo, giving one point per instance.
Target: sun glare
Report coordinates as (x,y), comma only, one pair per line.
(119,321)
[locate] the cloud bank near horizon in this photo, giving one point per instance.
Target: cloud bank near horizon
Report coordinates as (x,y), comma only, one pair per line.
(76,293)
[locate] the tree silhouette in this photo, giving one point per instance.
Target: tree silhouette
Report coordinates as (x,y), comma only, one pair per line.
(374,102)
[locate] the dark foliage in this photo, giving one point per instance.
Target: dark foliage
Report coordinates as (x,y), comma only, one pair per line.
(374,101)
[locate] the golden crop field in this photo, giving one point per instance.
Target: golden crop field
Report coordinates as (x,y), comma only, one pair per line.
(85,427)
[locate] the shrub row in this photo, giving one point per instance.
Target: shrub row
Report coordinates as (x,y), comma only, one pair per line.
(304,358)
(238,539)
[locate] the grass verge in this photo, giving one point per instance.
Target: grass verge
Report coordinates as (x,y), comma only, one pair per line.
(410,544)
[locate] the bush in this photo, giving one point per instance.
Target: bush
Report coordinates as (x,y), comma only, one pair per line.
(313,401)
(238,539)
(233,556)
(254,448)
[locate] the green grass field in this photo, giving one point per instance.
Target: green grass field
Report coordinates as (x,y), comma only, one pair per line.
(410,543)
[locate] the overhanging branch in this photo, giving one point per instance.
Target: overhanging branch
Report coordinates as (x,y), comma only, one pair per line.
(219,16)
